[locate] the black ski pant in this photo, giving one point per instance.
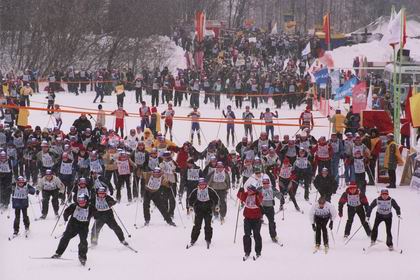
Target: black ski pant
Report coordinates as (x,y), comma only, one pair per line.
(46,195)
(392,178)
(252,226)
(361,181)
(111,174)
(321,226)
(169,195)
(155,97)
(161,205)
(388,224)
(351,211)
(201,215)
(106,218)
(17,218)
(73,229)
(222,203)
(139,96)
(269,212)
(5,189)
(121,180)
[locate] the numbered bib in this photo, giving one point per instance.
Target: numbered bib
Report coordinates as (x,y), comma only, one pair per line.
(359,165)
(81,214)
(384,207)
(66,168)
(353,200)
(101,204)
(139,157)
(123,167)
(193,174)
(154,183)
(47,160)
(20,193)
(285,172)
(251,202)
(4,167)
(301,162)
(49,186)
(268,194)
(219,177)
(95,166)
(153,162)
(203,195)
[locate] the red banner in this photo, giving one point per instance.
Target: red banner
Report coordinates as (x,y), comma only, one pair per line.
(200,20)
(359,97)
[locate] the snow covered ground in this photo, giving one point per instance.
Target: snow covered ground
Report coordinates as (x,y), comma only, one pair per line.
(162,253)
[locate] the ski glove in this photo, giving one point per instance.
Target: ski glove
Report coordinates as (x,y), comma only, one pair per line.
(37,192)
(331,225)
(313,227)
(217,209)
(340,214)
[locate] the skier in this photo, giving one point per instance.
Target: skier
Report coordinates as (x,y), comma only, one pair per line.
(104,215)
(303,170)
(6,178)
(124,168)
(169,169)
(287,183)
(202,200)
(190,177)
(325,184)
(195,124)
(356,201)
(269,192)
(306,119)
(20,203)
(252,200)
(120,113)
(144,112)
(80,213)
(320,214)
(154,193)
(247,117)
(168,116)
(230,126)
(219,180)
(384,214)
(268,116)
(51,186)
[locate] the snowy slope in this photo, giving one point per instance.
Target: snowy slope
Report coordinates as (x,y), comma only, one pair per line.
(162,253)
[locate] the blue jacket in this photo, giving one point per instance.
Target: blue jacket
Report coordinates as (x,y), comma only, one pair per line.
(20,196)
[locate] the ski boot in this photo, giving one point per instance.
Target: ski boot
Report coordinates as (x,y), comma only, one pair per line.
(125,243)
(43,217)
(82,260)
(56,256)
(326,248)
(171,223)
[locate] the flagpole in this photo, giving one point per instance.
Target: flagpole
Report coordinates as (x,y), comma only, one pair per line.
(397,97)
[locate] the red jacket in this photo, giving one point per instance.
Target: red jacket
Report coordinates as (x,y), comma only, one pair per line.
(182,158)
(251,213)
(319,151)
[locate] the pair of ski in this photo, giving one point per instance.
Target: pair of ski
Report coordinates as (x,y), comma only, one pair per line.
(316,250)
(368,249)
(10,238)
(192,244)
(82,261)
(246,257)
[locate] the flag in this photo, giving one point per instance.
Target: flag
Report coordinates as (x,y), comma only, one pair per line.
(307,49)
(359,97)
(335,80)
(200,22)
(327,29)
(414,108)
(369,98)
(321,76)
(396,25)
(407,105)
(274,29)
(346,89)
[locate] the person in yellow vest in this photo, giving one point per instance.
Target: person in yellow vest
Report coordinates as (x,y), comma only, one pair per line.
(25,92)
(119,91)
(148,139)
(337,121)
(23,116)
(392,159)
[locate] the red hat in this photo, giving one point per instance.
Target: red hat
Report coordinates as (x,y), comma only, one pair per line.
(154,110)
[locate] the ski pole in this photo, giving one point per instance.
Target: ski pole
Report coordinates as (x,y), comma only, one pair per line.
(236,225)
(177,208)
(332,236)
(351,237)
(115,212)
(339,223)
(398,231)
(371,174)
(56,223)
(135,216)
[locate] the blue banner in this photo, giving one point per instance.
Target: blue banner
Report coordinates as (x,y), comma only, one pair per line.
(321,76)
(346,89)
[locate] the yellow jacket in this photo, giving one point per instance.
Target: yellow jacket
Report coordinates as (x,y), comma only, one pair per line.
(338,123)
(23,117)
(392,162)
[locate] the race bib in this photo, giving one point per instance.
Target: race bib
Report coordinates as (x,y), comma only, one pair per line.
(384,207)
(47,160)
(101,204)
(81,214)
(139,158)
(154,183)
(359,165)
(4,167)
(95,166)
(353,200)
(123,167)
(66,168)
(268,194)
(251,202)
(203,195)
(219,177)
(20,193)
(193,174)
